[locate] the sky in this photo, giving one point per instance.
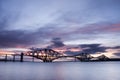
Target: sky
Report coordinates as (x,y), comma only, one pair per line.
(72,26)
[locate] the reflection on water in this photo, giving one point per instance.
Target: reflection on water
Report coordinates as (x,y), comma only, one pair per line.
(60,71)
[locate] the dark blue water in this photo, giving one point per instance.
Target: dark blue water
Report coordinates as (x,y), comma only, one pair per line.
(60,71)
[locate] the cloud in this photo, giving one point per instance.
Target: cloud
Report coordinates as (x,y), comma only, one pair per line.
(56,43)
(98,28)
(93,48)
(15,39)
(115,47)
(72,52)
(117,54)
(23,38)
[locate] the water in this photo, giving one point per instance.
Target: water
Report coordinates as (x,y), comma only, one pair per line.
(60,71)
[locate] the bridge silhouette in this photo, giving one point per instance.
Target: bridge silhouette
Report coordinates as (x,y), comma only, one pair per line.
(49,55)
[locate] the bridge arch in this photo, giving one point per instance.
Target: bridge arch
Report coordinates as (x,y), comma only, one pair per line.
(46,55)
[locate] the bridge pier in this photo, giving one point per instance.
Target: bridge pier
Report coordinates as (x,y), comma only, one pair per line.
(13,58)
(45,60)
(33,57)
(6,57)
(21,57)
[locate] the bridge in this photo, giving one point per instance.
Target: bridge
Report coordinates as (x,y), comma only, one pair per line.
(49,55)
(46,55)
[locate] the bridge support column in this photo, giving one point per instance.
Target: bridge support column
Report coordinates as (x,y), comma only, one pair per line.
(6,57)
(33,57)
(75,59)
(21,57)
(13,58)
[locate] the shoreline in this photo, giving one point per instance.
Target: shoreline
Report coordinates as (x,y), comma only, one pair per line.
(112,59)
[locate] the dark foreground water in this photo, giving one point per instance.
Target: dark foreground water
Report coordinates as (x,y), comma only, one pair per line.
(60,71)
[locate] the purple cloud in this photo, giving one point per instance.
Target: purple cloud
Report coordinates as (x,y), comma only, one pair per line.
(93,48)
(56,43)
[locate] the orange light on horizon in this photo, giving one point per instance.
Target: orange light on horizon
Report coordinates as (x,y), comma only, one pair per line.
(67,48)
(95,55)
(5,52)
(75,49)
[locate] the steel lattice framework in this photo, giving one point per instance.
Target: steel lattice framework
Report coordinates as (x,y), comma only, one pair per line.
(47,55)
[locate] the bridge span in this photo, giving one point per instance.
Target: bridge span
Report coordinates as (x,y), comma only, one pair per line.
(48,55)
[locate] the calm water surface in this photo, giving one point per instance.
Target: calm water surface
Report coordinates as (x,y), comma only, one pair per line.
(60,71)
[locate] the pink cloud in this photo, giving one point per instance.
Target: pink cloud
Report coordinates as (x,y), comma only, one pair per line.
(99,28)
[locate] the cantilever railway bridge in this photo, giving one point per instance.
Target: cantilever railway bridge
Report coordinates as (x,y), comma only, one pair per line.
(49,55)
